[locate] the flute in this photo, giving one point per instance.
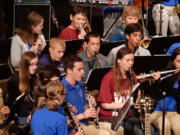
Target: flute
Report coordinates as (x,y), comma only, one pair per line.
(91,106)
(161,73)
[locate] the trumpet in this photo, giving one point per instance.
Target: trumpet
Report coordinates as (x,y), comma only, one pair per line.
(161,73)
(85,28)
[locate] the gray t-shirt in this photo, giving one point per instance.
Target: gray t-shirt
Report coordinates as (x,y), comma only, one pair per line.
(140,51)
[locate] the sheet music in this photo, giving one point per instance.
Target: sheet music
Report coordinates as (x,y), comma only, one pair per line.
(124,110)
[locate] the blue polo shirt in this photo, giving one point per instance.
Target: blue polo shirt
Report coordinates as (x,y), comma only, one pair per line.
(170,2)
(172,48)
(46,122)
(170,102)
(76,96)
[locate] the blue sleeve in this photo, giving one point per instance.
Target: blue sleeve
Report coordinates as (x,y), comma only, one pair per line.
(115,38)
(172,48)
(131,1)
(118,36)
(84,95)
(61,127)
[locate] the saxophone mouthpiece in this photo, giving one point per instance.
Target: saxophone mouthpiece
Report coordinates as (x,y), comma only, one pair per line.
(96,53)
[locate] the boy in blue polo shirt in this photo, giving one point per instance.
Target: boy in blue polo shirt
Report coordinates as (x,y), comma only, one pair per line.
(74,69)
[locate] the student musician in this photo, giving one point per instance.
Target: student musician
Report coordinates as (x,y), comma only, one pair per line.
(55,54)
(47,120)
(172,99)
(28,38)
(133,34)
(116,88)
(74,68)
(21,88)
(79,26)
(91,57)
(131,14)
(77,29)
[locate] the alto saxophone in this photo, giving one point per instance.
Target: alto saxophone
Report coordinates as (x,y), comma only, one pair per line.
(98,60)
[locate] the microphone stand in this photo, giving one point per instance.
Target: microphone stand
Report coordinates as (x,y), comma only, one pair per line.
(163,113)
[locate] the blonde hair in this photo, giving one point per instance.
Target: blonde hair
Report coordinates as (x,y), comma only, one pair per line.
(131,11)
(57,41)
(53,90)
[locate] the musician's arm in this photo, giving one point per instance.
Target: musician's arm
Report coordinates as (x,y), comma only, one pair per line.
(88,113)
(111,106)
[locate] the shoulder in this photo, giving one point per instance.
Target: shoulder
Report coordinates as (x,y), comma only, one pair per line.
(109,76)
(172,48)
(67,29)
(117,48)
(144,51)
(80,84)
(82,54)
(17,38)
(44,60)
(104,58)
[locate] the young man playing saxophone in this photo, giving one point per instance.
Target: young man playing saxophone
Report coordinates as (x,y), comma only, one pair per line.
(91,57)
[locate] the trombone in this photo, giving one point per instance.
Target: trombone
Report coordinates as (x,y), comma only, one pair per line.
(146,41)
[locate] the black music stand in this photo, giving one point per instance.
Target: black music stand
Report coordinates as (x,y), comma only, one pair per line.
(159,45)
(144,64)
(107,46)
(73,46)
(95,77)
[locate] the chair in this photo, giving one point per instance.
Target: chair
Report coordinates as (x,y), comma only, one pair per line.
(10,65)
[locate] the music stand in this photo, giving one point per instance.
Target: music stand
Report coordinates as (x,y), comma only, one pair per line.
(73,46)
(144,64)
(159,45)
(95,77)
(106,47)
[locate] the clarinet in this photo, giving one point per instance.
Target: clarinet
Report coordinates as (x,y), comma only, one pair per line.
(70,114)
(140,109)
(91,106)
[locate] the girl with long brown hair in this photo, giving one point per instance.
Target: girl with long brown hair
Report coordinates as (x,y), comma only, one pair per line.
(28,38)
(116,88)
(20,87)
